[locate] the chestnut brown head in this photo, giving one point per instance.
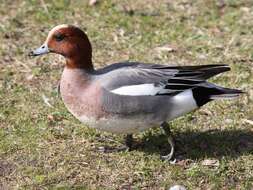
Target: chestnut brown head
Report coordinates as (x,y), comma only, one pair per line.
(70,42)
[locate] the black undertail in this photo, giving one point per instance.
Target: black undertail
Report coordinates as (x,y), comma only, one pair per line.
(202,95)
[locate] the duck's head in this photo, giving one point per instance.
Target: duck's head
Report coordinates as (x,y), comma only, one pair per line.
(70,42)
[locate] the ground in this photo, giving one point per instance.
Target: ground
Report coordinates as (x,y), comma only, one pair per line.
(42,146)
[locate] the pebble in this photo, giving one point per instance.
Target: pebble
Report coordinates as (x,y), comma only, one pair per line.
(177,187)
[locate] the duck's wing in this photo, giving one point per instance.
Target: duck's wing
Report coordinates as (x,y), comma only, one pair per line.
(137,79)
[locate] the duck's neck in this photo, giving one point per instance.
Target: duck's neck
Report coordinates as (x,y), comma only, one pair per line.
(75,79)
(80,62)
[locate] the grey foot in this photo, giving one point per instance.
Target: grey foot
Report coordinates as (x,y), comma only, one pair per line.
(166,130)
(129,141)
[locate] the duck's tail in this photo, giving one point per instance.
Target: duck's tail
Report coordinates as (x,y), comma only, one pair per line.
(225,93)
(208,92)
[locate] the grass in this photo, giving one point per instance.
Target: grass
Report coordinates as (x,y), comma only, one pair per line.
(43,147)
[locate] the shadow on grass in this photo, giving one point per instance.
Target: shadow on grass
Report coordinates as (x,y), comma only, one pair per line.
(198,145)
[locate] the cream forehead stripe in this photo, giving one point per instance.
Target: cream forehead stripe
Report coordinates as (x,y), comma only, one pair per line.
(54,30)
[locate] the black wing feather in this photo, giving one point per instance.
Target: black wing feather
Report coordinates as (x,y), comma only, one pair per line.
(189,77)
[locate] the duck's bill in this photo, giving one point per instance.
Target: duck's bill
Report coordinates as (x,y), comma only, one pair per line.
(40,51)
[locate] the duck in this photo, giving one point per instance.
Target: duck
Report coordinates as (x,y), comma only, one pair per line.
(129,97)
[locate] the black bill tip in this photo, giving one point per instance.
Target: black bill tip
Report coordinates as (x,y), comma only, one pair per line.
(31,54)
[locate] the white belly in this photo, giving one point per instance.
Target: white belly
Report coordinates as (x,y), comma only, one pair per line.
(119,125)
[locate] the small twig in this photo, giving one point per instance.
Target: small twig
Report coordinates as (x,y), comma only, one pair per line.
(229,44)
(247,121)
(44,6)
(46,101)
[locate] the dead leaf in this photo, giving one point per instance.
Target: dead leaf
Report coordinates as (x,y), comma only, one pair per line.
(245,9)
(50,117)
(202,56)
(210,162)
(184,163)
(221,3)
(166,48)
(216,31)
(205,112)
(30,77)
(93,2)
(247,121)
(121,32)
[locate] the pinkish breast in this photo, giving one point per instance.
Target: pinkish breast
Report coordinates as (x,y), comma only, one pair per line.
(80,94)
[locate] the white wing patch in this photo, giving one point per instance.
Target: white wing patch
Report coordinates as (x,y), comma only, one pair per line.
(139,90)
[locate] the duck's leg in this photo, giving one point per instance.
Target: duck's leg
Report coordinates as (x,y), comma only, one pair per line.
(127,146)
(129,141)
(166,130)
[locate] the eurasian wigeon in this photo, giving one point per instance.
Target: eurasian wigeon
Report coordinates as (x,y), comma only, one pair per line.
(128,97)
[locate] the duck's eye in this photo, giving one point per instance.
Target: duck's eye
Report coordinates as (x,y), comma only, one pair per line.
(59,37)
